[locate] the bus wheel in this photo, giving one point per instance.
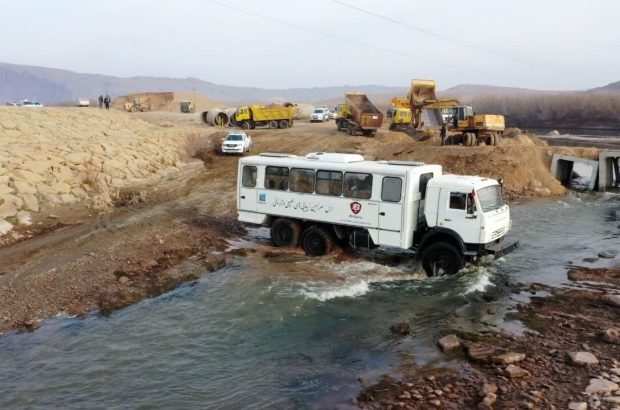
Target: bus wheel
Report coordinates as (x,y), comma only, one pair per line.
(441,258)
(317,241)
(285,232)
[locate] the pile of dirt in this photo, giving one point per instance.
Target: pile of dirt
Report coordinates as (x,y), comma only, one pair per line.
(169,101)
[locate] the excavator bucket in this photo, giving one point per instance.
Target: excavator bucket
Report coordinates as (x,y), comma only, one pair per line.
(422,91)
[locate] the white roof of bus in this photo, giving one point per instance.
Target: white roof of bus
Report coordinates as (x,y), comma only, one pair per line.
(337,161)
(466,182)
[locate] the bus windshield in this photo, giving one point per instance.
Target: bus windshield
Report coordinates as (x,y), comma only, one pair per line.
(490,198)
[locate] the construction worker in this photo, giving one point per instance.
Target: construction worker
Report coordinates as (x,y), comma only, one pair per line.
(100,101)
(107,100)
(444,133)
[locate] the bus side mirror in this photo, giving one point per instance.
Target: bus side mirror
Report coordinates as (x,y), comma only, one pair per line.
(471,206)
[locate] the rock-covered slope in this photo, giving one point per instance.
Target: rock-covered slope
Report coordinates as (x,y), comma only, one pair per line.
(57,156)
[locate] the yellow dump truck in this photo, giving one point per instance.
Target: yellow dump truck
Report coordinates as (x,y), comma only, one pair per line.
(253,116)
(187,107)
(399,114)
(475,128)
(358,114)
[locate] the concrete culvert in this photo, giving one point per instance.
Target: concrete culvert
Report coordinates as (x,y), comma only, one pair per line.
(217,118)
(231,115)
(204,116)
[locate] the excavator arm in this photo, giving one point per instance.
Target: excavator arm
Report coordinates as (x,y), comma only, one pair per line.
(422,97)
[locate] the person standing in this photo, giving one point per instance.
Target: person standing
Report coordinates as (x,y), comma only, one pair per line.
(444,133)
(107,101)
(100,101)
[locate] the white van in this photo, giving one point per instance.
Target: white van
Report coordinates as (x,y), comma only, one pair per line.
(320,199)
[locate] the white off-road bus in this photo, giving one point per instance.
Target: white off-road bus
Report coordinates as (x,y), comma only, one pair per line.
(321,199)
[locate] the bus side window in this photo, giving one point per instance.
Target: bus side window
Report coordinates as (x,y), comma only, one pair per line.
(276,178)
(329,183)
(357,185)
(248,178)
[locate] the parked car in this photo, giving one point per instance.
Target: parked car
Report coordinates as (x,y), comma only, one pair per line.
(236,143)
(14,104)
(31,104)
(320,114)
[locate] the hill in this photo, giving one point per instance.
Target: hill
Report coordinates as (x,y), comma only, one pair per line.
(50,85)
(609,88)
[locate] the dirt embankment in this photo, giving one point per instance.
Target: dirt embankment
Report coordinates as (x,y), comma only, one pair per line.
(571,356)
(169,101)
(61,156)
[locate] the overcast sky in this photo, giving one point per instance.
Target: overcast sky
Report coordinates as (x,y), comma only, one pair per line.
(545,44)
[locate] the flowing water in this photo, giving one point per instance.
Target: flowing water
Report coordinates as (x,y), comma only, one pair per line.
(279,330)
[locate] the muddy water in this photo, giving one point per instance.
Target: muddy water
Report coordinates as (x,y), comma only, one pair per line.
(277,330)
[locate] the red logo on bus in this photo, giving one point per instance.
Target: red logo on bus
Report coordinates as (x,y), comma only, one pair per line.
(356,207)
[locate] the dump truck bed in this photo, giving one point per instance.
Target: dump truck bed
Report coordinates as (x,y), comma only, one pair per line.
(363,111)
(261,113)
(491,122)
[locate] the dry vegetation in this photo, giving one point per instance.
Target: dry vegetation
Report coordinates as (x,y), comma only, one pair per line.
(568,110)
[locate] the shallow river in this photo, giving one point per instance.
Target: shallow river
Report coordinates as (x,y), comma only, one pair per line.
(287,331)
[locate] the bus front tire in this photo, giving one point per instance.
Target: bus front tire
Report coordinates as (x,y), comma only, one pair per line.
(441,258)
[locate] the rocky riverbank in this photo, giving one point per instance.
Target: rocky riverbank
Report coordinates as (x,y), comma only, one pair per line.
(569,357)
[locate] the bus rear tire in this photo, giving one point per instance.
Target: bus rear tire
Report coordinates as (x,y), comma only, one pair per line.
(441,258)
(285,232)
(317,241)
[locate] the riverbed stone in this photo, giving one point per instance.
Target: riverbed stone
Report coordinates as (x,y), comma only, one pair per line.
(613,300)
(24,218)
(611,335)
(481,352)
(8,209)
(68,199)
(607,255)
(27,176)
(490,399)
(5,226)
(24,187)
(516,371)
(488,388)
(449,342)
(5,189)
(612,399)
(578,405)
(401,328)
(31,202)
(508,358)
(601,386)
(61,188)
(582,358)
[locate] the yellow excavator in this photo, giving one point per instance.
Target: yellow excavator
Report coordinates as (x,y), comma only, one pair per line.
(467,128)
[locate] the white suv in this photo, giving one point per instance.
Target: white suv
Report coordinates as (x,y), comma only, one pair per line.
(320,114)
(236,143)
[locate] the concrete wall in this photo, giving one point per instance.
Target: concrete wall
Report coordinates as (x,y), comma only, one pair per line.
(562,168)
(609,169)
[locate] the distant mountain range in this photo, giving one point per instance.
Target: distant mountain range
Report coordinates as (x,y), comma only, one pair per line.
(49,85)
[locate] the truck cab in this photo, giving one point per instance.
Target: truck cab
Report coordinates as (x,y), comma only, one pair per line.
(468,209)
